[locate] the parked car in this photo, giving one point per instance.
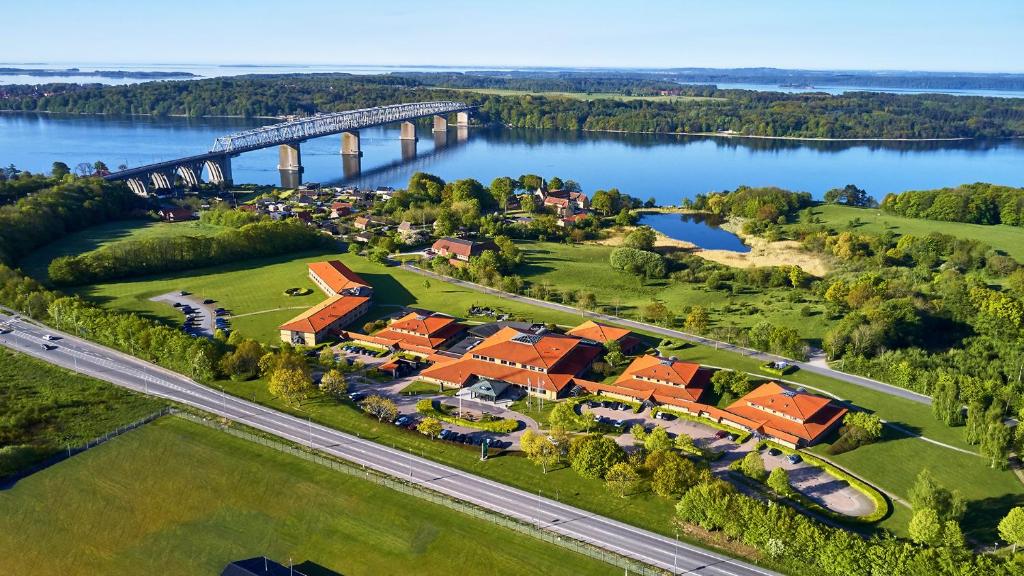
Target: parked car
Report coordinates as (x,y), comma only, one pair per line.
(183,293)
(356,396)
(774,451)
(177,304)
(721,434)
(794,458)
(208,301)
(444,434)
(402,420)
(618,423)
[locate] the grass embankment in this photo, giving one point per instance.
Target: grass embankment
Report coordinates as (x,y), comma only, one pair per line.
(585,267)
(175,497)
(35,264)
(1009,239)
(45,409)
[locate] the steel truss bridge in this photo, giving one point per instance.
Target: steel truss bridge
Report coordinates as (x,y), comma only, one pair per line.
(287,136)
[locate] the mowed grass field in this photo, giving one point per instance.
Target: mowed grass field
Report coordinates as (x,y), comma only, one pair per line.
(1009,239)
(98,236)
(585,267)
(175,497)
(586,95)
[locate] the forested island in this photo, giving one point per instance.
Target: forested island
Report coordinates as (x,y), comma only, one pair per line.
(689,110)
(60,72)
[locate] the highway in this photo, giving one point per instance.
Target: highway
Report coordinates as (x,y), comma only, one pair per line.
(135,374)
(815,367)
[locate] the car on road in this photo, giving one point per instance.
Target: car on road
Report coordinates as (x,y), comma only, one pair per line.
(794,458)
(5,330)
(47,346)
(774,451)
(50,337)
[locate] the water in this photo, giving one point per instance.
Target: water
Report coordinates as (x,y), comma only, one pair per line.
(699,229)
(667,168)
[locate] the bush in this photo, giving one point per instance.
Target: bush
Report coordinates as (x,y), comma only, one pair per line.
(433,409)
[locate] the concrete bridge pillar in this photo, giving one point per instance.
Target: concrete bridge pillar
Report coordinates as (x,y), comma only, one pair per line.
(408,131)
(138,186)
(440,123)
(462,119)
(289,158)
(350,143)
(219,171)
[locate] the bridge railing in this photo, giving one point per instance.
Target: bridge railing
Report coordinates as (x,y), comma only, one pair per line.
(332,123)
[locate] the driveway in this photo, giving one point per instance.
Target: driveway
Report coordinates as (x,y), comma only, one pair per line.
(204,313)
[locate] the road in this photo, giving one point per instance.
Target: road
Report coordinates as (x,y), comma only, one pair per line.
(816,366)
(129,372)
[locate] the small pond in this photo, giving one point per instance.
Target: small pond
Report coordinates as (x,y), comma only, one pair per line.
(699,229)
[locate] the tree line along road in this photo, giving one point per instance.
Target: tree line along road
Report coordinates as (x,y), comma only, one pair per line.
(678,334)
(129,372)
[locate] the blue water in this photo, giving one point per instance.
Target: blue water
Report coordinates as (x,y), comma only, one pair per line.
(667,168)
(694,228)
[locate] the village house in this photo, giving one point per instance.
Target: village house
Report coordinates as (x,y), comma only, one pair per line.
(460,249)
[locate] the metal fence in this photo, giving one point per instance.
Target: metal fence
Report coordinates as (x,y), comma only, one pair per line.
(629,565)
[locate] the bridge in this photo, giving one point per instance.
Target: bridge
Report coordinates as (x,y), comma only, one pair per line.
(288,136)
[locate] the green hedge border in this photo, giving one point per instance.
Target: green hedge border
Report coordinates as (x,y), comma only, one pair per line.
(743,434)
(500,426)
(883,506)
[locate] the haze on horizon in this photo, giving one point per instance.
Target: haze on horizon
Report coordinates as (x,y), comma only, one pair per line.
(910,35)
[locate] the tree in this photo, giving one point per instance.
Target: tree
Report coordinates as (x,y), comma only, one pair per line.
(383,408)
(592,456)
(290,384)
(59,170)
(684,442)
(946,404)
(539,449)
(642,238)
(429,427)
(927,493)
(976,426)
(849,195)
(996,444)
(326,358)
(622,479)
(657,439)
(707,504)
(778,481)
(613,353)
(564,415)
(586,300)
(333,384)
(674,475)
(243,362)
(656,311)
(733,381)
(863,427)
(925,527)
(1011,527)
(752,466)
(697,320)
(502,189)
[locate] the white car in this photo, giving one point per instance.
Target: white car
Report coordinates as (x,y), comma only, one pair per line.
(49,337)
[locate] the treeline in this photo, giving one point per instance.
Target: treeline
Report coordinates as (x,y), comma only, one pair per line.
(761,207)
(978,203)
(852,115)
(167,254)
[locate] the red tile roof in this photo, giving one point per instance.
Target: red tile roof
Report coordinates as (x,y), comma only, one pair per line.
(429,331)
(458,246)
(599,332)
(543,351)
(662,370)
(324,314)
(337,276)
(778,409)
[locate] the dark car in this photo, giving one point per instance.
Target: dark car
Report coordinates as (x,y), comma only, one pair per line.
(402,420)
(208,301)
(183,293)
(721,434)
(5,330)
(444,434)
(794,458)
(177,304)
(774,451)
(356,396)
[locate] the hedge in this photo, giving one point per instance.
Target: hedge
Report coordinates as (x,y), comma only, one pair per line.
(500,426)
(743,434)
(882,504)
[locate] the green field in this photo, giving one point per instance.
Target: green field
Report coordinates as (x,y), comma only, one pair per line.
(1009,239)
(586,95)
(175,497)
(585,267)
(44,409)
(98,236)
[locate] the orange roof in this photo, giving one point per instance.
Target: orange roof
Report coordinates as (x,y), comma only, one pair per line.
(662,369)
(337,276)
(461,371)
(542,351)
(423,324)
(781,411)
(555,200)
(324,314)
(598,332)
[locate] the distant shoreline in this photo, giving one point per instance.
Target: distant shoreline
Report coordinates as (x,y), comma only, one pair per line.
(112,74)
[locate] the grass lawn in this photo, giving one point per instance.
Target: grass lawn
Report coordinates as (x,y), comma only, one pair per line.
(586,267)
(587,95)
(175,497)
(255,290)
(1009,239)
(420,387)
(48,408)
(95,237)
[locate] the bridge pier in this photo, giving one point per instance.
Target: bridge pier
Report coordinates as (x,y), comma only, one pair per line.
(462,119)
(440,123)
(350,143)
(408,149)
(219,171)
(440,139)
(138,186)
(352,164)
(408,131)
(289,158)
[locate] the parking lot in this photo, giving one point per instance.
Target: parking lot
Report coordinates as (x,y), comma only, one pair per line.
(200,316)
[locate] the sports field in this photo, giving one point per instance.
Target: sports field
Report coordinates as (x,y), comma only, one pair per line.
(175,497)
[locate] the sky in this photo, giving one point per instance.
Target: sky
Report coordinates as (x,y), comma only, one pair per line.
(936,35)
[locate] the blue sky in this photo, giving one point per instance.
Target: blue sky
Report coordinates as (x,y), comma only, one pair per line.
(966,35)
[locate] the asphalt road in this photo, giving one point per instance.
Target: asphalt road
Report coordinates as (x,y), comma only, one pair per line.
(129,372)
(679,335)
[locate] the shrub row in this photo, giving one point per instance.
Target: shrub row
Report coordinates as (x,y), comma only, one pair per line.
(500,426)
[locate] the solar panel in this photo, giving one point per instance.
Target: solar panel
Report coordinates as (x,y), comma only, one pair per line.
(527,338)
(789,393)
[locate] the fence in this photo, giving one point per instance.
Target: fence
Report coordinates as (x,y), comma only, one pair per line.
(630,566)
(72,450)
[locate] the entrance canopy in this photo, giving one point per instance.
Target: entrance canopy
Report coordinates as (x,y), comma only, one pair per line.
(488,389)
